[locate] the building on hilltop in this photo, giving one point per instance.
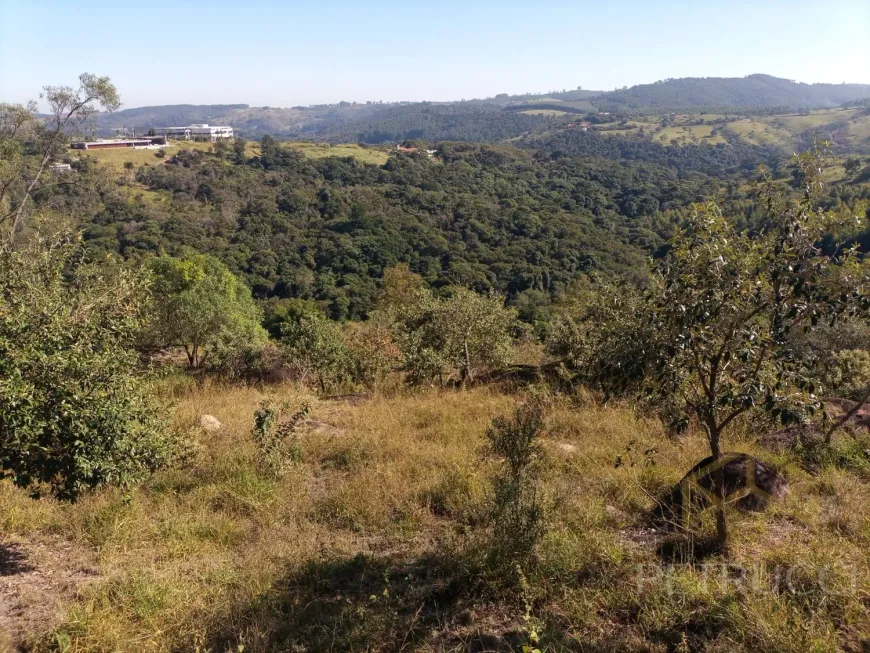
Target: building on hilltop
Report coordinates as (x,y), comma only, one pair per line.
(205,132)
(145,141)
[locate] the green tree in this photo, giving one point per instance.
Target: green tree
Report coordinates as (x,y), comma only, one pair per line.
(69,111)
(463,332)
(315,347)
(201,306)
(726,303)
(77,412)
(239,156)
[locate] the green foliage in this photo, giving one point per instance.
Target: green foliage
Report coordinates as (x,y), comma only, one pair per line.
(316,349)
(598,334)
(518,516)
(77,412)
(69,112)
(374,351)
(728,301)
(274,433)
(848,373)
(201,306)
(462,332)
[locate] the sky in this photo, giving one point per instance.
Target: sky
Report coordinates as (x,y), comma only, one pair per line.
(285,53)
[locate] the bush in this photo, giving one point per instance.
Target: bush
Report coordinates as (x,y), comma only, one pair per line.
(274,435)
(848,373)
(315,348)
(462,333)
(518,516)
(374,352)
(76,411)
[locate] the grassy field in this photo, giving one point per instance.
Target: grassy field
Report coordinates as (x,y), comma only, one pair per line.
(784,131)
(374,155)
(695,134)
(544,112)
(376,540)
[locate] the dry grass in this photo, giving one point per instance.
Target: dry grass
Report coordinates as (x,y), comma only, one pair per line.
(375,537)
(372,155)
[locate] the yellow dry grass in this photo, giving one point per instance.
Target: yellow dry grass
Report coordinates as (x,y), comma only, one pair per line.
(371,155)
(373,539)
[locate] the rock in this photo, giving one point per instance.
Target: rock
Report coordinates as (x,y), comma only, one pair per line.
(789,438)
(768,484)
(566,448)
(838,407)
(209,423)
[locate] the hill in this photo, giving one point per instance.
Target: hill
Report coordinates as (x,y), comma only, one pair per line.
(495,118)
(753,90)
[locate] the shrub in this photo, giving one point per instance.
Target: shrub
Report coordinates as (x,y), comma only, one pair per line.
(374,352)
(315,348)
(518,517)
(274,435)
(461,333)
(76,411)
(848,373)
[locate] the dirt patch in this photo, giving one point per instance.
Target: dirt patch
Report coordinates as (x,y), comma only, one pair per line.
(36,579)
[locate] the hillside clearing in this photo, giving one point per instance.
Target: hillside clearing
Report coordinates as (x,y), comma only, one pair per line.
(359,546)
(371,155)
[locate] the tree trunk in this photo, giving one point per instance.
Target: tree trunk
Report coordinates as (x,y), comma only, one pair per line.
(854,409)
(467,375)
(719,490)
(191,357)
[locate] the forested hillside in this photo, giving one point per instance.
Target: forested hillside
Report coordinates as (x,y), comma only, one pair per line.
(491,118)
(753,90)
(483,216)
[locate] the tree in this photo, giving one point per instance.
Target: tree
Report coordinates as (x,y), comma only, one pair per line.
(221,150)
(852,164)
(400,287)
(463,332)
(69,112)
(239,156)
(726,302)
(77,411)
(201,306)
(129,169)
(314,345)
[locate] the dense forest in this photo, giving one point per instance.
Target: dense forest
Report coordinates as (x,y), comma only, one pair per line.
(522,222)
(478,215)
(751,90)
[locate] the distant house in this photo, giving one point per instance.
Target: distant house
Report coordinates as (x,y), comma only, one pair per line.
(108,144)
(60,167)
(204,132)
(402,148)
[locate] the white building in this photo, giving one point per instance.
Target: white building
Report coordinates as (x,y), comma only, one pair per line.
(210,133)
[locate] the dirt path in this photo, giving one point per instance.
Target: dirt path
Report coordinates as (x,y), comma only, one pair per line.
(36,578)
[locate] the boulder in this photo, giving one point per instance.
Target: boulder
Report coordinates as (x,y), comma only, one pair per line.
(209,423)
(768,485)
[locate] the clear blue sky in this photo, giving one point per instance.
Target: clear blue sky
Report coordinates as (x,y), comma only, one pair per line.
(284,53)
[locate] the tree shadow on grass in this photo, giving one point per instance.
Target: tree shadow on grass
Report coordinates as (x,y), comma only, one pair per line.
(13,560)
(359,603)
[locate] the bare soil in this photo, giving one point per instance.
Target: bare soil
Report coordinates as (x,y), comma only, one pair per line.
(36,578)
